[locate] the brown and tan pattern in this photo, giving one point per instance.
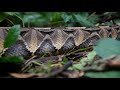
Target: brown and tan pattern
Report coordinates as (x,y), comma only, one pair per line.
(38,41)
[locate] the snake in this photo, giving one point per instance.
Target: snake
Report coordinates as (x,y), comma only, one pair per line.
(39,41)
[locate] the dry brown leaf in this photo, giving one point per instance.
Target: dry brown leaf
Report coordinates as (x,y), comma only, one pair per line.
(73,74)
(25,75)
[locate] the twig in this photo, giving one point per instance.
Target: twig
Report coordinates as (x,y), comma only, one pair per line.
(26,63)
(54,73)
(53,59)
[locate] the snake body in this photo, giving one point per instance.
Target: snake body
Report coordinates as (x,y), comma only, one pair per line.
(38,41)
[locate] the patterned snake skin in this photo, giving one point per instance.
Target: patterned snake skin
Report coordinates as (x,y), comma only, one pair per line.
(37,41)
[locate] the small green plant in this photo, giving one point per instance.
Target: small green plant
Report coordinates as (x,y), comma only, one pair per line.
(12,36)
(107,47)
(10,39)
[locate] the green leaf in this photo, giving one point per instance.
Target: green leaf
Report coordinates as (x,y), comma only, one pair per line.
(65,60)
(39,22)
(56,16)
(78,66)
(14,59)
(84,61)
(30,17)
(91,56)
(66,17)
(117,21)
(12,36)
(107,47)
(10,13)
(106,74)
(83,20)
(84,14)
(107,23)
(88,59)
(3,16)
(93,19)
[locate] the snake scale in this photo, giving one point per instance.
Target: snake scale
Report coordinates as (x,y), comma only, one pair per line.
(37,41)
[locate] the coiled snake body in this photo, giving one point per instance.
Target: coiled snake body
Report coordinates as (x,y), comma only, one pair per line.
(38,41)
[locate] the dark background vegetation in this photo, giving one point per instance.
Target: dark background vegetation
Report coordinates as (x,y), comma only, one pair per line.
(57,19)
(105,48)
